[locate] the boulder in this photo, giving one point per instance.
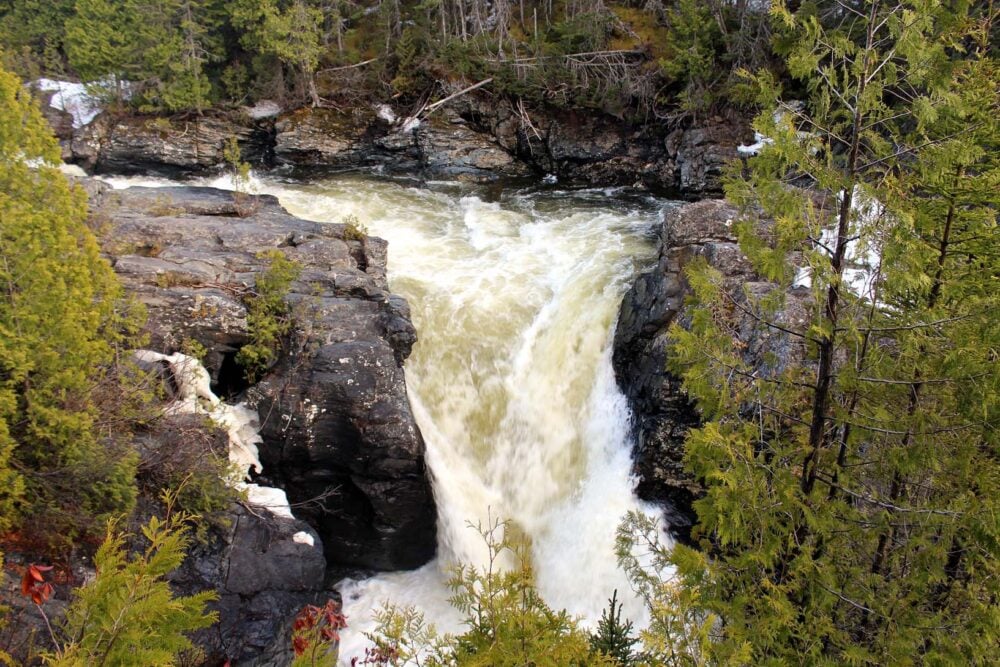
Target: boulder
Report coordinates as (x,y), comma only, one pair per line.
(339,434)
(264,569)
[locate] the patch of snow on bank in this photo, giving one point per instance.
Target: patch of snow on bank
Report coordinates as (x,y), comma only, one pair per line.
(759,142)
(302,537)
(263,109)
(863,256)
(386,113)
(72,98)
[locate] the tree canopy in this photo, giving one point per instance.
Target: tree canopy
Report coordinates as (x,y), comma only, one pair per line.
(60,320)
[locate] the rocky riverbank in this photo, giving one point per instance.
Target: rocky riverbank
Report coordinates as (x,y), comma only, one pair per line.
(338,433)
(475,137)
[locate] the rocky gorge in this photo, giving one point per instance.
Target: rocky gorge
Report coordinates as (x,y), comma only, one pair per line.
(337,431)
(339,434)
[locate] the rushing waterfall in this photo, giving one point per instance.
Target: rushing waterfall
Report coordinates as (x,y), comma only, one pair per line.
(514,301)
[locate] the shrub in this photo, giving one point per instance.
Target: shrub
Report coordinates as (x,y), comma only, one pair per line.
(127,615)
(268,316)
(509,623)
(62,320)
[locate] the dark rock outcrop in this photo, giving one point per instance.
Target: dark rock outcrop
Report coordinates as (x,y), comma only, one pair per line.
(339,435)
(169,146)
(264,571)
(662,411)
(478,137)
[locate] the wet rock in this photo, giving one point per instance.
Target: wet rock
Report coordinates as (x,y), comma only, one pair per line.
(702,153)
(476,137)
(324,137)
(663,413)
(264,570)
(339,435)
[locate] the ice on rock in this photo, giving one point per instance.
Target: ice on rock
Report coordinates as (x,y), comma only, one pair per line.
(72,98)
(302,537)
(240,421)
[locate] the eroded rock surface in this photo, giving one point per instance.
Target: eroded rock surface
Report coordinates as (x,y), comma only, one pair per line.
(479,137)
(339,435)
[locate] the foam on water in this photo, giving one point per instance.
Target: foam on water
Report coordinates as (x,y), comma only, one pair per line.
(511,382)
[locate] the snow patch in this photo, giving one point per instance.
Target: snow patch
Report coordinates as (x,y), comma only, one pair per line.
(752,149)
(386,113)
(272,499)
(240,421)
(410,124)
(302,537)
(863,256)
(263,109)
(72,170)
(72,98)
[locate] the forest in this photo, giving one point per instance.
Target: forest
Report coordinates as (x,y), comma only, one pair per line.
(648,60)
(848,391)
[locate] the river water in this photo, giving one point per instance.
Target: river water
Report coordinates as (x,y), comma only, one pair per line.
(514,294)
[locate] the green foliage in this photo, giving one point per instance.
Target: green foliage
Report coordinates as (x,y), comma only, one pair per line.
(613,636)
(101,43)
(290,35)
(161,47)
(268,315)
(852,483)
(508,623)
(694,39)
(183,55)
(354,230)
(239,173)
(127,615)
(35,30)
(680,629)
(192,462)
(61,320)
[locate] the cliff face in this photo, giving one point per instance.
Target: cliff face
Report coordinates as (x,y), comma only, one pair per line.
(662,411)
(475,137)
(338,432)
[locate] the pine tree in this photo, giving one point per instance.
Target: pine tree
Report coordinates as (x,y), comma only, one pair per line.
(850,513)
(292,34)
(59,325)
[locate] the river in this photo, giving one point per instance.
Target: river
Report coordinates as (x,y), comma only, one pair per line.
(514,294)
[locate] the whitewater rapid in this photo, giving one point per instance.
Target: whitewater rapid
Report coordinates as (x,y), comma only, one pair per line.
(513,294)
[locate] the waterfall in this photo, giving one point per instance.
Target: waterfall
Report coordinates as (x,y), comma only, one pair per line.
(514,300)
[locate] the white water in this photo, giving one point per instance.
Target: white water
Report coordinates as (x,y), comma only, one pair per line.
(511,381)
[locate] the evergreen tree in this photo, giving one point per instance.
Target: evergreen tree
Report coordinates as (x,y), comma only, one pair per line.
(613,636)
(38,27)
(850,513)
(101,43)
(127,615)
(175,45)
(59,323)
(291,34)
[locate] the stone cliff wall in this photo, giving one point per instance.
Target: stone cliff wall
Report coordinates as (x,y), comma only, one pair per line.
(475,137)
(662,412)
